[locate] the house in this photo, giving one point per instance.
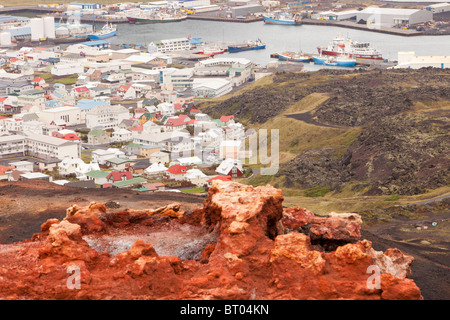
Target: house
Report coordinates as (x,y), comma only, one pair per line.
(5,171)
(155,170)
(47,164)
(81,92)
(38,81)
(76,166)
(121,135)
(197,177)
(115,176)
(139,166)
(100,156)
(22,165)
(98,176)
(147,116)
(159,157)
(128,123)
(176,172)
(227,119)
(129,183)
(179,147)
(177,123)
(126,91)
(147,150)
(67,135)
(98,136)
(230,167)
(119,164)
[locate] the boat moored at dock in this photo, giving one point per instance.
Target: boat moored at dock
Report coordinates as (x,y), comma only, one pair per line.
(249,45)
(346,46)
(293,56)
(284,18)
(108,31)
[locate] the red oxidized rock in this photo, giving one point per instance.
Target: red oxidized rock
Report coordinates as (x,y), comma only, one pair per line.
(258,251)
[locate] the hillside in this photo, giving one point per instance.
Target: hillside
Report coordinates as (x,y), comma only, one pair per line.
(380,132)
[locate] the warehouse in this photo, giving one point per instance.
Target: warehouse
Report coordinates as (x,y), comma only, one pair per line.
(438,7)
(393,17)
(244,11)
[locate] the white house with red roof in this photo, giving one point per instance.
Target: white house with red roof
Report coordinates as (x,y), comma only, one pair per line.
(81,92)
(116,176)
(177,123)
(230,167)
(177,172)
(227,119)
(38,81)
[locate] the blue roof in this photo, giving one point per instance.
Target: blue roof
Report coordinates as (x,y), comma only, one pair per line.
(20,32)
(87,104)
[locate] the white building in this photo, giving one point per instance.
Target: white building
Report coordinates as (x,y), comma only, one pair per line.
(211,87)
(46,147)
(121,135)
(438,7)
(169,45)
(410,60)
(70,115)
(101,156)
(388,17)
(106,116)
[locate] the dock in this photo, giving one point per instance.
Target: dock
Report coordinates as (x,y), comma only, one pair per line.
(371,63)
(353,25)
(90,19)
(224,19)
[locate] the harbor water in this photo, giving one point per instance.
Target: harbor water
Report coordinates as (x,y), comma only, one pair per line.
(279,38)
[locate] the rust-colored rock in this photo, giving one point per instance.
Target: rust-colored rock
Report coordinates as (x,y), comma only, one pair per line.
(241,245)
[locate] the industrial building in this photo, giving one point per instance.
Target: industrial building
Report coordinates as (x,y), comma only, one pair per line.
(438,7)
(244,11)
(389,17)
(411,61)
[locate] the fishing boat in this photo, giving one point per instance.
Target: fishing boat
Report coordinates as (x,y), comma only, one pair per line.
(346,46)
(150,16)
(280,17)
(294,57)
(340,61)
(211,51)
(108,31)
(249,45)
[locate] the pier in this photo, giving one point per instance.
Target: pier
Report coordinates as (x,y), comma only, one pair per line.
(353,25)
(224,19)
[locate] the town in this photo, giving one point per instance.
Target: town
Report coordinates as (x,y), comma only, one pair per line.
(117,118)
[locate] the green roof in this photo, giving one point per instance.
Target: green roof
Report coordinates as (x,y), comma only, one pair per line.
(219,123)
(129,182)
(140,189)
(97,132)
(97,174)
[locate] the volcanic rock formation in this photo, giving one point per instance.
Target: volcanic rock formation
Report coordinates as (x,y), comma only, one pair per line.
(241,245)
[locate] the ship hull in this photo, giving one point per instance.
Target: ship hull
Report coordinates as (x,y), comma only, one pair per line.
(287,58)
(103,36)
(239,49)
(352,55)
(134,20)
(269,20)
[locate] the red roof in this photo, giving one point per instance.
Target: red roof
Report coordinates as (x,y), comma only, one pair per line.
(138,128)
(177,169)
(223,178)
(153,186)
(117,176)
(3,99)
(226,118)
(124,87)
(37,79)
(81,89)
(194,110)
(178,106)
(4,169)
(71,137)
(175,122)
